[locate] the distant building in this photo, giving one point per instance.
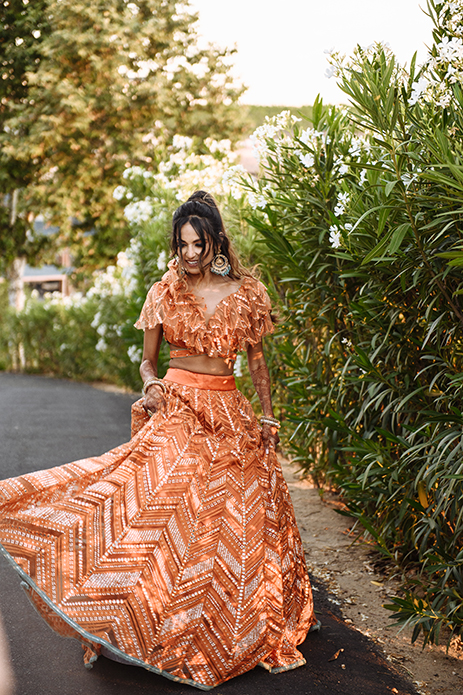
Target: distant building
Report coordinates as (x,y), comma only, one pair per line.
(48,278)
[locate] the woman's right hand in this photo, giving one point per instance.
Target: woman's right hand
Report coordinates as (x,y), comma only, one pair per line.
(154,399)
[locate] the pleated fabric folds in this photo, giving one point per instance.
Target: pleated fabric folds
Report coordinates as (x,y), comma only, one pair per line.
(177,551)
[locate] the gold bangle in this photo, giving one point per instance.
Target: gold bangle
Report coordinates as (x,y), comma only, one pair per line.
(151,382)
(272,421)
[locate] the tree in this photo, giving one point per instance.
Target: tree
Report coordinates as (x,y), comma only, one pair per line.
(21,31)
(112,82)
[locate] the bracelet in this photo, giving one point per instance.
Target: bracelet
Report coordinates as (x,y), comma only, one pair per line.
(267,420)
(151,382)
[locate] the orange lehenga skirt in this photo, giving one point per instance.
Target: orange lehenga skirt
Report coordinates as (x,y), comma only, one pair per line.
(177,551)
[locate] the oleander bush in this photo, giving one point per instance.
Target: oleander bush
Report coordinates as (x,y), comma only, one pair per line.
(362,216)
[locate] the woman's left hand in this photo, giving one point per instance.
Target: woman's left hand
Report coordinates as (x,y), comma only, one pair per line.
(270,438)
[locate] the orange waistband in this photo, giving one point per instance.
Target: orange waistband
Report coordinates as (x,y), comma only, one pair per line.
(209,382)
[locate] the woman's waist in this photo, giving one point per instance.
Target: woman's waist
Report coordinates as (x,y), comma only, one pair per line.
(183,352)
(202,363)
(201,380)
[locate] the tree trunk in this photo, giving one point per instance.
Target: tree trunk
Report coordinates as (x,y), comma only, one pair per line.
(16,271)
(14,277)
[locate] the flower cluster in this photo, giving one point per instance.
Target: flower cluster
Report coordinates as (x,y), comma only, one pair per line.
(444,66)
(139,211)
(186,171)
(276,129)
(340,65)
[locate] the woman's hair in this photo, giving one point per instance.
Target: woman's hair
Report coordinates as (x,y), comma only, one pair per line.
(201,211)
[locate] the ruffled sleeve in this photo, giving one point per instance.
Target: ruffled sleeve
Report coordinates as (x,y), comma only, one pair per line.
(151,313)
(255,309)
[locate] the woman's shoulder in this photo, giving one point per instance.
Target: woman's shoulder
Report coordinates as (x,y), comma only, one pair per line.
(168,283)
(255,290)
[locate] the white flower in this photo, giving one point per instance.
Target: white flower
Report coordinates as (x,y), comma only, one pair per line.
(36,33)
(238,368)
(132,172)
(182,142)
(231,179)
(343,168)
(306,159)
(133,8)
(363,177)
(356,145)
(408,179)
(256,200)
(139,211)
(343,199)
(417,89)
(101,345)
(18,41)
(330,71)
(134,354)
(96,320)
(450,50)
(310,136)
(335,237)
(119,192)
(444,100)
(162,261)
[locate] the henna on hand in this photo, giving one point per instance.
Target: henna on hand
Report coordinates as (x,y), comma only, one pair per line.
(270,437)
(154,399)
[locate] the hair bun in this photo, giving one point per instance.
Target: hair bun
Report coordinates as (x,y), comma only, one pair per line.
(203,197)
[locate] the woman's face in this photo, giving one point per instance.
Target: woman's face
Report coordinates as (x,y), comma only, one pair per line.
(191,248)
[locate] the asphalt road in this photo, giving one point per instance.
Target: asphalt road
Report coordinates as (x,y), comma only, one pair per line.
(47,422)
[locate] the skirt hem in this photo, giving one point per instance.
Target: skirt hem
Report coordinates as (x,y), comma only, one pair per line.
(129,660)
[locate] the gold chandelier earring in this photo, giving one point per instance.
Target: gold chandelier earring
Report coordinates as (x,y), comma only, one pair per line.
(220,265)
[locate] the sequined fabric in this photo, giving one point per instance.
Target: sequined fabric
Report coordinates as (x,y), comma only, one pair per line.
(177,551)
(241,319)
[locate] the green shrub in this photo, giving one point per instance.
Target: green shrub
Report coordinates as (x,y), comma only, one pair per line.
(362,218)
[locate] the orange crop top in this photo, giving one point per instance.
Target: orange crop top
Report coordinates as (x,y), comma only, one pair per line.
(240,319)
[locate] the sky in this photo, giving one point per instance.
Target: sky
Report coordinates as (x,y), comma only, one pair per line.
(281,43)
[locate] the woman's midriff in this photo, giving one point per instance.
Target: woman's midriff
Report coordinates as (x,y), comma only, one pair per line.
(202,364)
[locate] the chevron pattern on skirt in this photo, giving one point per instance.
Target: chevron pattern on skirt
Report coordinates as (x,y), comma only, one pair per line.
(177,551)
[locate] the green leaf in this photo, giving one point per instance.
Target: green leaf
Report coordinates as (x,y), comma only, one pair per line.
(398,236)
(390,186)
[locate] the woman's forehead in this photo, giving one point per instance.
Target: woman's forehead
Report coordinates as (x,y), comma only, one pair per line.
(189,234)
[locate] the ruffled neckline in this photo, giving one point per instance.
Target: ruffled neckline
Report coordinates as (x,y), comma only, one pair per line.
(240,319)
(180,284)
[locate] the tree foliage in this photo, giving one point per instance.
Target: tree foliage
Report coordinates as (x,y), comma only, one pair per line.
(105,83)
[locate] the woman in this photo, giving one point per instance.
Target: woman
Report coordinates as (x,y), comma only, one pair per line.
(177,551)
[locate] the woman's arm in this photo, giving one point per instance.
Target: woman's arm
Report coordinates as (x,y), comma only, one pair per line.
(261,380)
(154,397)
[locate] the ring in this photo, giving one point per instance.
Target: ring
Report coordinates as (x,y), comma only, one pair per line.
(150,412)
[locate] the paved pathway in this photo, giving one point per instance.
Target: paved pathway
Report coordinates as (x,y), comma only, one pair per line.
(47,422)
